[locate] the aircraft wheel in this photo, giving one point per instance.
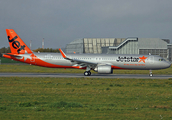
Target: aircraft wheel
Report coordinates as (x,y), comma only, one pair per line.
(87,73)
(150,74)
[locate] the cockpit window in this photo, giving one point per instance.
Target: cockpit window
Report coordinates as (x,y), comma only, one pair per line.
(161,59)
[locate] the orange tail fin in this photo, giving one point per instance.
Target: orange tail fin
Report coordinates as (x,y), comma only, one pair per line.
(17,46)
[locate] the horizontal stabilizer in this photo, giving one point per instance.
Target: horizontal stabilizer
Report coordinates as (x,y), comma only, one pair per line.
(17,56)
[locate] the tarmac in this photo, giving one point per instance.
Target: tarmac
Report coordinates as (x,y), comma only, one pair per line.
(80,75)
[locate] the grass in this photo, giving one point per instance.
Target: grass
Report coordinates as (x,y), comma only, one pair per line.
(85,98)
(37,69)
(6,60)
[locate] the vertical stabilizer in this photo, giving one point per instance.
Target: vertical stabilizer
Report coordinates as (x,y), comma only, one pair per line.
(17,46)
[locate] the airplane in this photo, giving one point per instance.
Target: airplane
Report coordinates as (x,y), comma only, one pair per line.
(101,63)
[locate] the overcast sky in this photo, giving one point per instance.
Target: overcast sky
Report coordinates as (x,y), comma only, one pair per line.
(61,21)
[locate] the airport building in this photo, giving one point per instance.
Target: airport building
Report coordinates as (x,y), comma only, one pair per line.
(153,46)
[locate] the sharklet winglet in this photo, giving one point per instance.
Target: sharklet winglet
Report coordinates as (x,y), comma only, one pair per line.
(62,53)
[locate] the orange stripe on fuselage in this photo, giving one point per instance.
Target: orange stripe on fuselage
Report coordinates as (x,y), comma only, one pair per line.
(39,62)
(42,63)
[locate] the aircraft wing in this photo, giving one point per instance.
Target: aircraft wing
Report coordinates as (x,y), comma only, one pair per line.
(77,62)
(84,63)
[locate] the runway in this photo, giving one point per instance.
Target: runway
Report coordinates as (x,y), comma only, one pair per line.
(80,75)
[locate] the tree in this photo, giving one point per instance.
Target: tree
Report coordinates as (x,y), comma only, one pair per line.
(47,50)
(5,50)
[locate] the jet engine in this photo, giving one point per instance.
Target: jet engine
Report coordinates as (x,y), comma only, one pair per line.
(104,69)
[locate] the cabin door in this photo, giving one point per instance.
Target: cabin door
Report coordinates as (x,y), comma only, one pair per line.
(151,59)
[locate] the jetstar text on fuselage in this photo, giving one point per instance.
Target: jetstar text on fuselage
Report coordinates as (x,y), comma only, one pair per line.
(127,59)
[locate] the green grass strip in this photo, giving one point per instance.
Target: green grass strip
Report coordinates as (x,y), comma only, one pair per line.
(85,98)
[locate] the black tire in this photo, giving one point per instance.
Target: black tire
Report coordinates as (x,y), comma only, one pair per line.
(151,75)
(89,73)
(86,73)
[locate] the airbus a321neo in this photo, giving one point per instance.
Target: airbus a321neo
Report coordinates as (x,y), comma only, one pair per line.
(101,63)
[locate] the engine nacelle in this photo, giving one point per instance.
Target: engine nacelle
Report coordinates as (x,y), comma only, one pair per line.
(104,69)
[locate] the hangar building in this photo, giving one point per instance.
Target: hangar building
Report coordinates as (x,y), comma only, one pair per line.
(154,46)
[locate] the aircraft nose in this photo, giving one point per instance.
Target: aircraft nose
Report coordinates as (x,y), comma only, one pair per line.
(167,64)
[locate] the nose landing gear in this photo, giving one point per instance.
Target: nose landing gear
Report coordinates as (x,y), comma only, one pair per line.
(150,73)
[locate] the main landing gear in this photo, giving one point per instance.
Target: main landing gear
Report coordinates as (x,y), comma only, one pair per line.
(87,73)
(150,73)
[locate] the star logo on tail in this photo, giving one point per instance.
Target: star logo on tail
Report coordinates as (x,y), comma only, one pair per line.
(142,59)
